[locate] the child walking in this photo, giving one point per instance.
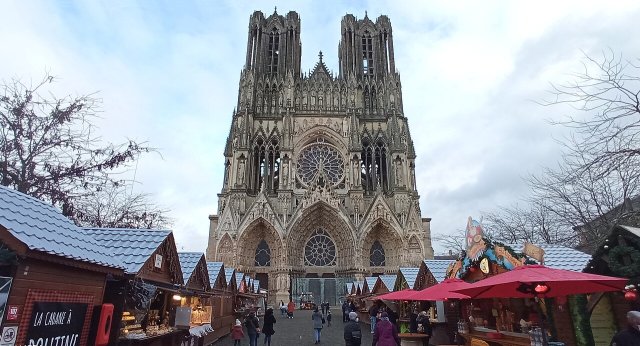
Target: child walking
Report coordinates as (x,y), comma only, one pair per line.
(237,333)
(329,318)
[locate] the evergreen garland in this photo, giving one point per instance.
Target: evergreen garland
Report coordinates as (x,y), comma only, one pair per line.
(616,263)
(581,321)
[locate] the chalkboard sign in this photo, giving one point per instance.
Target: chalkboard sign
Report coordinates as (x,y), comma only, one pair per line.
(56,323)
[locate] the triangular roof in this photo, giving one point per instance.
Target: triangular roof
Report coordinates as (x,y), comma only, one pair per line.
(136,247)
(194,270)
(216,274)
(41,227)
(348,287)
(389,281)
(230,275)
(239,279)
(256,286)
(438,268)
(408,276)
(369,282)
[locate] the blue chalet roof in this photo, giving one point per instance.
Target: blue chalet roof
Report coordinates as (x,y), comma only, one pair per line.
(410,275)
(229,274)
(348,286)
(42,227)
(133,247)
(256,286)
(388,281)
(562,257)
(239,278)
(188,262)
(438,268)
(214,269)
(371,281)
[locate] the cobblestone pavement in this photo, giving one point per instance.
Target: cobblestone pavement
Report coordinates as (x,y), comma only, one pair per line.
(298,331)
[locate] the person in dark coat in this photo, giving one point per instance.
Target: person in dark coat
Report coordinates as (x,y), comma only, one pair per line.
(413,321)
(352,331)
(385,333)
(345,311)
(424,326)
(253,328)
(318,323)
(631,335)
(267,326)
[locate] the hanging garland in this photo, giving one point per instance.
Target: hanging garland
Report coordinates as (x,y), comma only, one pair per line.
(616,261)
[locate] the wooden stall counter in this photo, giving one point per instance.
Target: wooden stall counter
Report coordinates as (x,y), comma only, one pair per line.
(491,337)
(412,339)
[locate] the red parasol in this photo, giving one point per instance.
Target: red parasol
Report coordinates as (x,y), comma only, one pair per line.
(442,291)
(397,295)
(536,280)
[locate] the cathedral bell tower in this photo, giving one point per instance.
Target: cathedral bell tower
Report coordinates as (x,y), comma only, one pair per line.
(319,185)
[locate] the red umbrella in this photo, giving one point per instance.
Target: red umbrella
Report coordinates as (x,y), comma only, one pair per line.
(442,291)
(397,295)
(536,280)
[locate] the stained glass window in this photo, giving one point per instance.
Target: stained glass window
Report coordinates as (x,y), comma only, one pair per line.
(376,255)
(320,250)
(320,158)
(263,254)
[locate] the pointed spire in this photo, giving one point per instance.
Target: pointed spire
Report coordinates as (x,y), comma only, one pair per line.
(320,56)
(275,10)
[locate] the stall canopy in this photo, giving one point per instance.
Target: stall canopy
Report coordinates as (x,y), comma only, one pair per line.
(142,251)
(442,291)
(194,270)
(217,278)
(36,227)
(536,280)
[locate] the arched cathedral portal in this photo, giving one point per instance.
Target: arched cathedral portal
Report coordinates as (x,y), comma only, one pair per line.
(319,182)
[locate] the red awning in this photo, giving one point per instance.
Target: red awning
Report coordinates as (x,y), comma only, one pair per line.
(537,280)
(442,291)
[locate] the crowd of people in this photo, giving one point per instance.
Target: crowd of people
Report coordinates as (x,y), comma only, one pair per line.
(383,321)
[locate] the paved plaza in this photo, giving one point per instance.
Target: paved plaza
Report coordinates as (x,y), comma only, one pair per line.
(299,331)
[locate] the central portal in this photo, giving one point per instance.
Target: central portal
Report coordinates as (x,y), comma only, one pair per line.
(323,289)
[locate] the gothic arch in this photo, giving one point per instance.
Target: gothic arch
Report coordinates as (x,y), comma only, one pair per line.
(321,131)
(225,251)
(251,237)
(321,216)
(389,239)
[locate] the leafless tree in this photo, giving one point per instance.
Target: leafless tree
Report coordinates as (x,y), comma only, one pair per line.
(596,184)
(116,207)
(49,148)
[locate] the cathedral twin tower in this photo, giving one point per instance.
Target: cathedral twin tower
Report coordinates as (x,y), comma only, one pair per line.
(319,177)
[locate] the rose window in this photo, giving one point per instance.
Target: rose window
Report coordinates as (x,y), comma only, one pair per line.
(320,250)
(320,158)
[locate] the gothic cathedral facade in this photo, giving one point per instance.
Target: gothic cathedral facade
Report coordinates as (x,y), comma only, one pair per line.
(319,177)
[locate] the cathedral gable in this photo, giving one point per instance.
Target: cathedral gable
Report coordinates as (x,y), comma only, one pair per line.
(379,210)
(262,208)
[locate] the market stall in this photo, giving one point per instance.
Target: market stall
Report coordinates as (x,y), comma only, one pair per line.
(52,276)
(223,316)
(529,317)
(195,307)
(147,298)
(618,255)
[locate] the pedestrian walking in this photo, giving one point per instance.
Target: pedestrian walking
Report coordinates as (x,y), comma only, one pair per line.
(237,333)
(283,309)
(373,315)
(345,311)
(318,323)
(328,318)
(323,309)
(267,326)
(385,333)
(290,308)
(253,328)
(352,332)
(631,335)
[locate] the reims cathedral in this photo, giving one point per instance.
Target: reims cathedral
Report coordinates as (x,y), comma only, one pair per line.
(319,182)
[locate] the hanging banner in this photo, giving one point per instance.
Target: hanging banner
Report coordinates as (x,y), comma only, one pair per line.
(56,323)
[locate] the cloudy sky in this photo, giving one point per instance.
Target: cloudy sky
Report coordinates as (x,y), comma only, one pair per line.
(168,71)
